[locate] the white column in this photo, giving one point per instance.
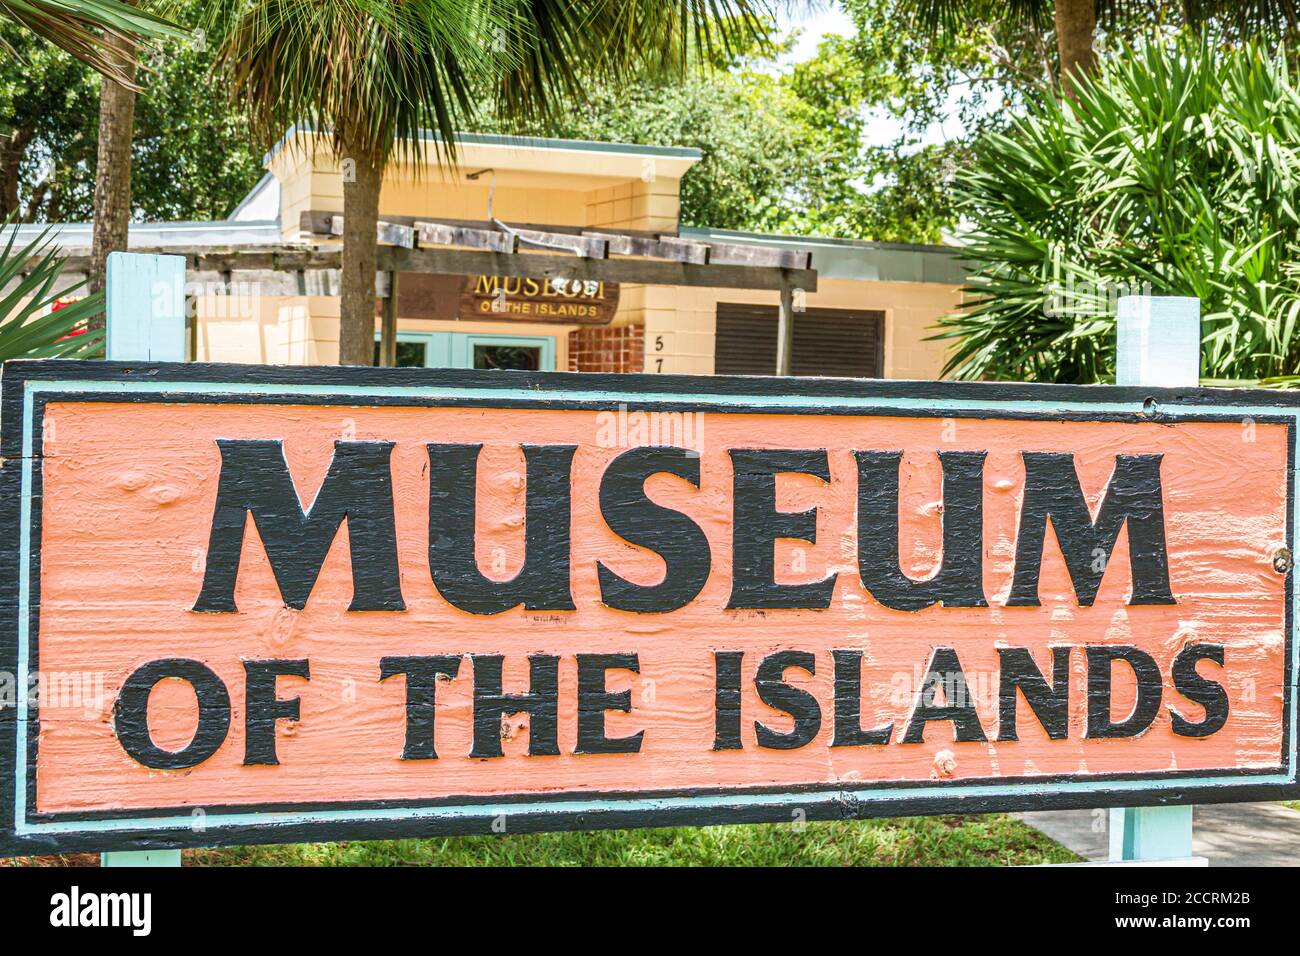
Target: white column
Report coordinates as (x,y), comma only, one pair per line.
(1159,345)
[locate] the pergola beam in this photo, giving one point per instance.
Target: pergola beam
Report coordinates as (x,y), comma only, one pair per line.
(227,259)
(636,271)
(595,243)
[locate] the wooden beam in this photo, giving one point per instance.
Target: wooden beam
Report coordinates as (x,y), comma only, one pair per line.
(591,247)
(442,234)
(659,246)
(331,224)
(675,250)
(738,254)
(639,271)
(785,331)
(231,258)
(686,250)
(388,331)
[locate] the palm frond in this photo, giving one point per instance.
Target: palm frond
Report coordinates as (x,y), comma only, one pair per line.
(550,46)
(29,289)
(83,27)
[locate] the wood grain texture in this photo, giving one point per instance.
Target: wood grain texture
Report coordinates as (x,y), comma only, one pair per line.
(123,538)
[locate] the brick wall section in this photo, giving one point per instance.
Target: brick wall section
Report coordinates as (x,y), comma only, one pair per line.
(607,349)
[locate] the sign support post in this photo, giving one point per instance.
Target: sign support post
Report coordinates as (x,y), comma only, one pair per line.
(785,329)
(1158,344)
(144,320)
(388,329)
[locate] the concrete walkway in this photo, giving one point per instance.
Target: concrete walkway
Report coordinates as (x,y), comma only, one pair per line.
(1227,834)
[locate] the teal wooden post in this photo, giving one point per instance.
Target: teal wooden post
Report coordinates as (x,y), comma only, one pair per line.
(144,321)
(141,858)
(145,308)
(1159,344)
(1151,833)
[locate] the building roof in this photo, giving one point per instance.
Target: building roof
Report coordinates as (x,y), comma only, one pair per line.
(221,232)
(856,258)
(506,141)
(523,161)
(262,202)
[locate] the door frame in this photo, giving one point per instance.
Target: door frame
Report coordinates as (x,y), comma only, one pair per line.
(456,349)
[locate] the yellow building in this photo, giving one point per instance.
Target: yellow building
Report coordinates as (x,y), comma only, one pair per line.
(871,314)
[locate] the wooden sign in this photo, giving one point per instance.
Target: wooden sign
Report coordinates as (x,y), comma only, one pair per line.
(565,301)
(251,604)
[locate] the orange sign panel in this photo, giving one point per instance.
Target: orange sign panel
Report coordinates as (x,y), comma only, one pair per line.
(264,604)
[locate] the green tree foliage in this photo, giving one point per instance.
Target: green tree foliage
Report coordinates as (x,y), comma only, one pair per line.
(193,156)
(761,146)
(1176,173)
(931,93)
(786,147)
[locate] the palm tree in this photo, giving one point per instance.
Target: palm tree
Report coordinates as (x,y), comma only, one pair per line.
(103,34)
(112,200)
(1076,21)
(85,28)
(376,74)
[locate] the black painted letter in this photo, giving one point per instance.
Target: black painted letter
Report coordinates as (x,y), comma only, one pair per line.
(1049,702)
(1149,690)
(1133,496)
(541,704)
(358,486)
(262,708)
(1208,693)
(635,518)
(756,524)
(848,704)
(131,714)
(542,584)
(798,703)
(726,700)
(959,582)
(422,676)
(944,671)
(594,700)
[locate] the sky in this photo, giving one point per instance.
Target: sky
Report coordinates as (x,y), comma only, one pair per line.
(816,21)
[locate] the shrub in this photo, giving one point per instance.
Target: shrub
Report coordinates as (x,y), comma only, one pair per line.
(1177,172)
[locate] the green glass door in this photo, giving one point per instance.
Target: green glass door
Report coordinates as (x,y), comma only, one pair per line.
(533,353)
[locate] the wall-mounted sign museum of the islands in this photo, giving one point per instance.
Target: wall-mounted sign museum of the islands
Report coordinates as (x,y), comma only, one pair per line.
(565,301)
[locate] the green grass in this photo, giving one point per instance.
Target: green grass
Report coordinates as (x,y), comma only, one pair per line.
(988,840)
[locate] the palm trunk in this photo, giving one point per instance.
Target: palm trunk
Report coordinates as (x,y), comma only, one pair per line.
(13,148)
(113,168)
(1076,25)
(360,219)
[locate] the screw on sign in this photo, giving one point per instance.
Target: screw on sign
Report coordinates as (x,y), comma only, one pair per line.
(497,587)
